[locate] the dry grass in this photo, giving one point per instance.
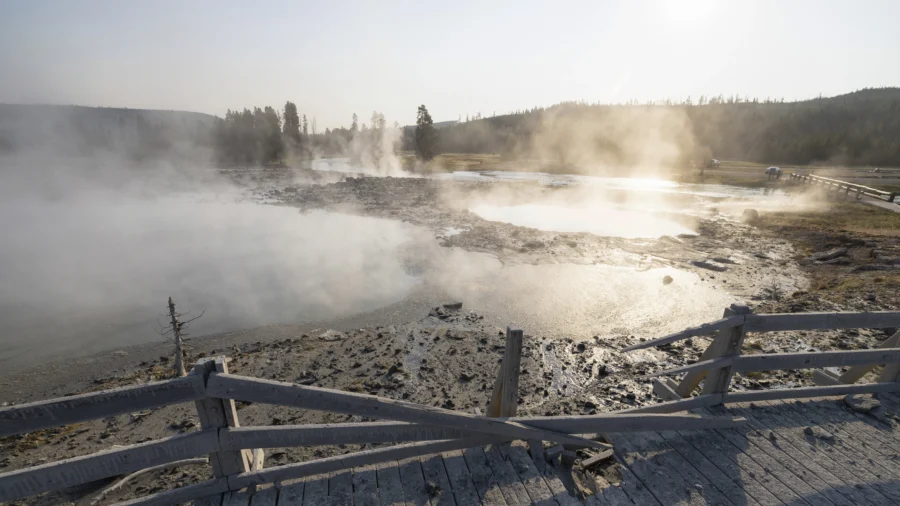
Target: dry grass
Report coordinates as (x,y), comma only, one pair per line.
(843,217)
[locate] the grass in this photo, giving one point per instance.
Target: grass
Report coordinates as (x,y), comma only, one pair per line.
(842,217)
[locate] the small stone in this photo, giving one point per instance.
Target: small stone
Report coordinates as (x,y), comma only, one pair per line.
(453,306)
(861,404)
(667,280)
(808,431)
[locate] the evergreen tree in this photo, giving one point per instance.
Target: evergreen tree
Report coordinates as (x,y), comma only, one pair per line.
(291,127)
(426,135)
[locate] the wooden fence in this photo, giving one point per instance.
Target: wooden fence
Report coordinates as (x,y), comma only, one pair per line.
(838,186)
(235,452)
(723,358)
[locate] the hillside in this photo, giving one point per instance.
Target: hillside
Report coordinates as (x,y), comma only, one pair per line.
(859,128)
(76,130)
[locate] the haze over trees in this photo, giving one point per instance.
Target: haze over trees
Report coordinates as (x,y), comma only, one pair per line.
(425,135)
(859,128)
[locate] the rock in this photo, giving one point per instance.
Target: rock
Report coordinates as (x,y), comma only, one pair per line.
(749,215)
(667,280)
(579,348)
(828,255)
(836,261)
(870,268)
(331,335)
(808,431)
(871,297)
(453,306)
(861,403)
(432,488)
(704,264)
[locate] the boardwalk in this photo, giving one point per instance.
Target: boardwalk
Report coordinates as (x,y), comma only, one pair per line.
(813,452)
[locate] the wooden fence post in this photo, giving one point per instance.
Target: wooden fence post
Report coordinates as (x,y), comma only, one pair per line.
(505,396)
(727,342)
(218,413)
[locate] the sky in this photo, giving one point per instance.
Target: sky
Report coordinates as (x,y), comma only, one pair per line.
(458,58)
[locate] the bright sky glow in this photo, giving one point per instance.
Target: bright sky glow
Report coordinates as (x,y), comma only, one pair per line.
(458,58)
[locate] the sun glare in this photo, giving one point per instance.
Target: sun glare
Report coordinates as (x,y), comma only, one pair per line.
(688,11)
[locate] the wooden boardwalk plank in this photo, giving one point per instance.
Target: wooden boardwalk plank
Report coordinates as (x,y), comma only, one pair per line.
(726,484)
(665,484)
(534,483)
(315,493)
(852,437)
(851,458)
(265,497)
(340,489)
(854,432)
(850,483)
(558,489)
(881,430)
(390,486)
(814,474)
(796,483)
(460,478)
(435,472)
(731,459)
(365,486)
(692,482)
(511,486)
(615,496)
(413,479)
(291,493)
(483,478)
(635,489)
(236,499)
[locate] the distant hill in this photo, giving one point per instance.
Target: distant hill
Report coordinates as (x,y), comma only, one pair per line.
(76,130)
(858,128)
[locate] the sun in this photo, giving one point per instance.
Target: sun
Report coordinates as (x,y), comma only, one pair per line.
(688,11)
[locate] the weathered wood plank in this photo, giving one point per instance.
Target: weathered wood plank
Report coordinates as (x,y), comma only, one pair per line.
(701,330)
(433,468)
(460,478)
(808,392)
(819,321)
(635,489)
(855,373)
(716,349)
(283,436)
(210,500)
(217,413)
(315,492)
(699,367)
(265,497)
(662,389)
(512,361)
(390,486)
(718,379)
(629,422)
(291,493)
(413,479)
(778,419)
(511,486)
(814,360)
(236,499)
(753,478)
(867,432)
(534,483)
(340,489)
(558,489)
(486,485)
(726,484)
(341,462)
(365,486)
(699,401)
(866,463)
(79,470)
(817,477)
(681,470)
(180,495)
(286,394)
(615,496)
(785,476)
(79,408)
(665,484)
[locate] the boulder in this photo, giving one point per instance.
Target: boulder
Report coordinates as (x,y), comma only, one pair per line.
(749,215)
(823,256)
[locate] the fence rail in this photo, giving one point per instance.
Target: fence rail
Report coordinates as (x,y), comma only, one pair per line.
(418,429)
(723,358)
(839,185)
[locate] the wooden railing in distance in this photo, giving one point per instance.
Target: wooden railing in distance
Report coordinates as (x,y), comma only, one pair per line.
(839,185)
(234,451)
(723,358)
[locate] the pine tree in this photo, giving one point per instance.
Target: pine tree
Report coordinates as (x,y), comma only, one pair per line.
(426,135)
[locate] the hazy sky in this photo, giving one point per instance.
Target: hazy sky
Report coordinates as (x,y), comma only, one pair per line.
(457,57)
